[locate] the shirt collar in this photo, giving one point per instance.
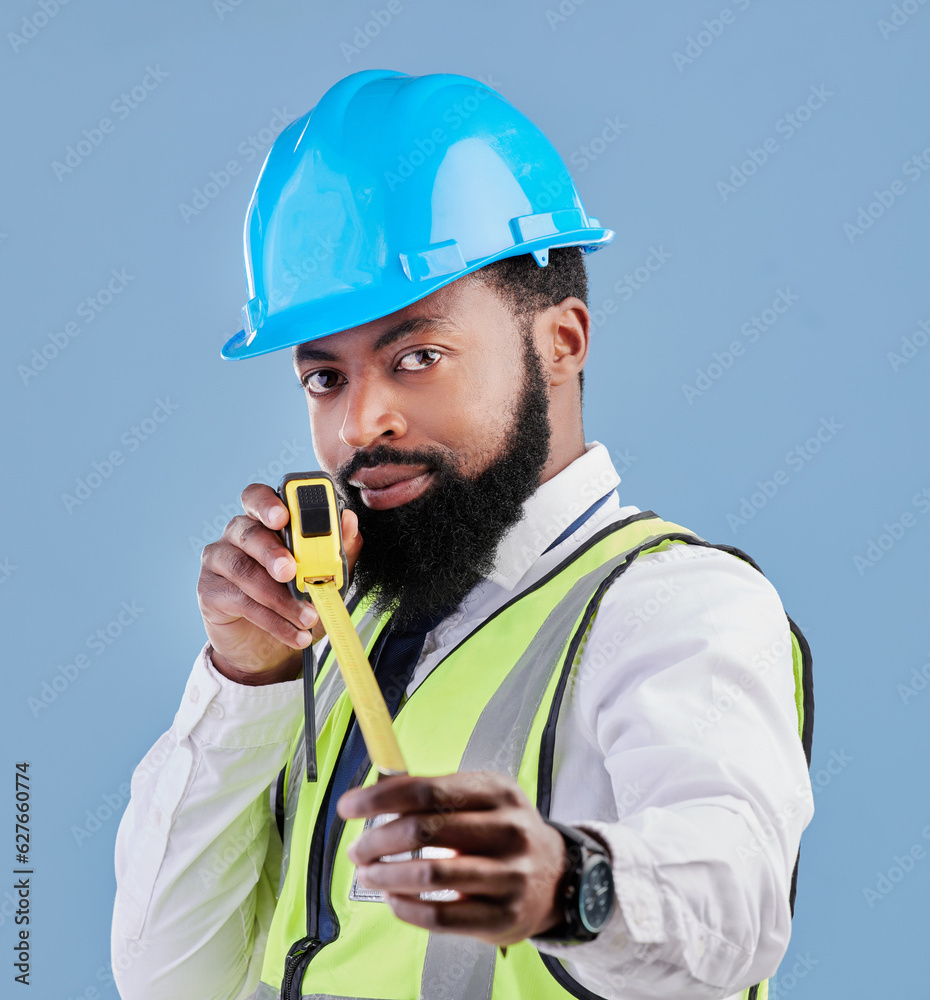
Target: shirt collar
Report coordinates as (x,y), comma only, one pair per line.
(551,509)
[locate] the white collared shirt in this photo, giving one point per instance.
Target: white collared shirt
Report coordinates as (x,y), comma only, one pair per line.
(677,745)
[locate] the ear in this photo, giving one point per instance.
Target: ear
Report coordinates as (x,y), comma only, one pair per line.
(562,333)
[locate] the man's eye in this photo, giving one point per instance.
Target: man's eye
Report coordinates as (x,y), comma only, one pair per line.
(418,360)
(320,381)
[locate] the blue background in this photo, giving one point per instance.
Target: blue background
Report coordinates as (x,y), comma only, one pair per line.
(136,538)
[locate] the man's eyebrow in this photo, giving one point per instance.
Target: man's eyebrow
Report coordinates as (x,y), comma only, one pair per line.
(416,324)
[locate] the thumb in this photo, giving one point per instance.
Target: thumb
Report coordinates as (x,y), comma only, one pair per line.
(351,538)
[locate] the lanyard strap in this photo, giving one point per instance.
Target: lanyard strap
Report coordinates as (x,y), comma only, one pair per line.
(578,522)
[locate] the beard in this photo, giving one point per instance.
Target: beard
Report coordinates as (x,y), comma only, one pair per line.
(421,559)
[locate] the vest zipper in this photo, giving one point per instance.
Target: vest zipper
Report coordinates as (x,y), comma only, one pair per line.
(303,951)
(296,961)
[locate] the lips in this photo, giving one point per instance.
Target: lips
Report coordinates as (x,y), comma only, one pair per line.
(389,486)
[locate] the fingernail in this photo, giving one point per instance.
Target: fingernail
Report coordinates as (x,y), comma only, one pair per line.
(304,639)
(308,617)
(281,565)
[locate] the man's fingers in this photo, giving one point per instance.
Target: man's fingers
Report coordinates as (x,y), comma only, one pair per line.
(473,790)
(351,539)
(460,916)
(234,586)
(263,503)
(263,545)
(223,602)
(499,833)
(471,876)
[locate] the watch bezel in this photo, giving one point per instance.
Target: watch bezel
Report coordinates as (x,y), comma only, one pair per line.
(593,862)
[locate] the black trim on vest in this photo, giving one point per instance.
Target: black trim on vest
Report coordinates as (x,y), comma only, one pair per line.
(558,973)
(547,748)
(279,802)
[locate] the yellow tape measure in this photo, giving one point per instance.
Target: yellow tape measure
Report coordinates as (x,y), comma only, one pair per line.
(374,720)
(314,536)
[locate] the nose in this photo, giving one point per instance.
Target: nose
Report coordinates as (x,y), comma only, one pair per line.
(371,413)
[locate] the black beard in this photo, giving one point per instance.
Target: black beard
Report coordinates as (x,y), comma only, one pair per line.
(422,558)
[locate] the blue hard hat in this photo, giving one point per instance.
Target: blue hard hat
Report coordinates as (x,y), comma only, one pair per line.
(389,188)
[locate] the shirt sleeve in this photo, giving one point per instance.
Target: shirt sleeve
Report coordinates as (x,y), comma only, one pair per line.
(197,851)
(682,704)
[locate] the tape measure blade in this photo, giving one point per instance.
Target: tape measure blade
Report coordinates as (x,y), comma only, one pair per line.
(374,720)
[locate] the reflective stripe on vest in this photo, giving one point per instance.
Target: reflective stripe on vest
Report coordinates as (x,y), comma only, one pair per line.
(500,718)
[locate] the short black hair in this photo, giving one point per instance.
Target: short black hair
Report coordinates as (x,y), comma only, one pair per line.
(527,289)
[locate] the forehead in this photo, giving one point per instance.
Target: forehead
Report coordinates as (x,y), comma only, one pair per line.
(462,310)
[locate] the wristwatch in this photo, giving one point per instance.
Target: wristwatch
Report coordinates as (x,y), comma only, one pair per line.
(585,893)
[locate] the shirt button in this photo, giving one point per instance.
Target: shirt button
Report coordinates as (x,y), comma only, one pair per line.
(215,711)
(157,817)
(194,694)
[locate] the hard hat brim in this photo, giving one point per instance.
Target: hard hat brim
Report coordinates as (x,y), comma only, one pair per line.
(355,307)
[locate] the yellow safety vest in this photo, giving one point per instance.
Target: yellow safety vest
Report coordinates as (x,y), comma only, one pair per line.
(492,704)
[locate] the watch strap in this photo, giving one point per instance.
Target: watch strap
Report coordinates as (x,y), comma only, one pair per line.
(579,846)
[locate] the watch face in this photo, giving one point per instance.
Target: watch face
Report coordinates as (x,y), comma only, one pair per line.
(596,898)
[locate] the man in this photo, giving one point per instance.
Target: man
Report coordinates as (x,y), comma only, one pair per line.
(600,712)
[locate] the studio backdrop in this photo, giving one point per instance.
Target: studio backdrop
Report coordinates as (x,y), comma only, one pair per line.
(758,370)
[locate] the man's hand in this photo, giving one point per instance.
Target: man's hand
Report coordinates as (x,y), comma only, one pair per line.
(256,627)
(508,861)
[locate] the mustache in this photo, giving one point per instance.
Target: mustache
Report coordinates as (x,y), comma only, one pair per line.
(435,458)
